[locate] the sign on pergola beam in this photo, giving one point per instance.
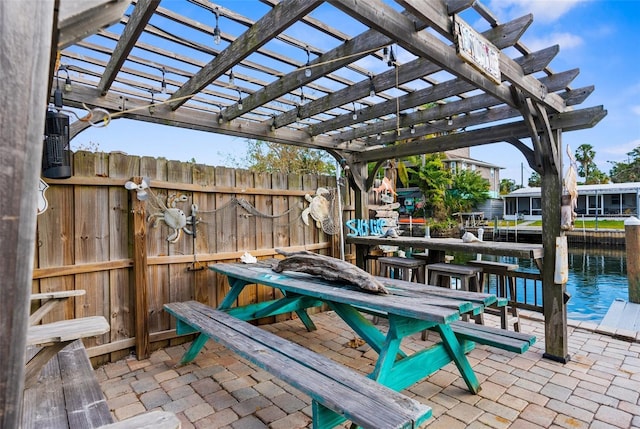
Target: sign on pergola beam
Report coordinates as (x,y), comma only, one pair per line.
(567,121)
(273,23)
(385,19)
(509,69)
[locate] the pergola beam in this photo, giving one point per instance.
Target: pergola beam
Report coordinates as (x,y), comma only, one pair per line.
(385,19)
(567,121)
(141,14)
(269,26)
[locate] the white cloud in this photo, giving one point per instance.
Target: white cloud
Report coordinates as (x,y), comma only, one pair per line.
(564,40)
(543,10)
(620,151)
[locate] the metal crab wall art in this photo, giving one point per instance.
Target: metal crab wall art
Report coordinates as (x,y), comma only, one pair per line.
(173,217)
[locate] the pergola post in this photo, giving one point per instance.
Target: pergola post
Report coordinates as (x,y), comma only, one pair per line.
(359,183)
(25,43)
(554,295)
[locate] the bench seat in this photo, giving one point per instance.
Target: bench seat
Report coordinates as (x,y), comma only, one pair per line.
(68,395)
(338,393)
(517,342)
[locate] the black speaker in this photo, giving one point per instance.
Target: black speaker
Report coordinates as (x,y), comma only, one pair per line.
(56,154)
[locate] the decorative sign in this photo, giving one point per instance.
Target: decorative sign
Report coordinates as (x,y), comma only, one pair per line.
(473,48)
(42,200)
(363,227)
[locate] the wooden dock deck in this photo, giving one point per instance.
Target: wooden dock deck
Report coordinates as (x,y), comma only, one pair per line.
(622,315)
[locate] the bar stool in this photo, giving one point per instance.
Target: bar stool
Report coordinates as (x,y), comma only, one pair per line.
(409,269)
(505,279)
(440,274)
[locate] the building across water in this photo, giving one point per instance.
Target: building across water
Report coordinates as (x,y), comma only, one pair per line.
(612,200)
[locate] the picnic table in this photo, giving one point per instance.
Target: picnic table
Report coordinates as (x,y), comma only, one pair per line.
(410,308)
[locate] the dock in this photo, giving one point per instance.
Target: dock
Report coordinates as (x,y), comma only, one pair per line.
(622,316)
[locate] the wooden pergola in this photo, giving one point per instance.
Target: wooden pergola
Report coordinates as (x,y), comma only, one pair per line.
(407,73)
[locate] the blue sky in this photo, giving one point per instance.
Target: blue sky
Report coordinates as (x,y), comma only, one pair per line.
(600,37)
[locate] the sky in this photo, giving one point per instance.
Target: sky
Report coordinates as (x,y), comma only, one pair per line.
(600,37)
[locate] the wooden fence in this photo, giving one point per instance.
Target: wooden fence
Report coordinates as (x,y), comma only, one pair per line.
(95,236)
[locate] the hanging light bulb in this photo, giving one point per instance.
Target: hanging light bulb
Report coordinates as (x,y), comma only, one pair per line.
(372,87)
(378,136)
(385,54)
(152,106)
(232,81)
(307,70)
(240,106)
(298,113)
(355,114)
(413,129)
(392,57)
(449,121)
(67,80)
(163,85)
(273,123)
(216,30)
(220,118)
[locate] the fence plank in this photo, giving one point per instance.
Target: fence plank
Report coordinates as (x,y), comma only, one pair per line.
(225,221)
(120,281)
(205,243)
(91,239)
(55,247)
(180,282)
(157,245)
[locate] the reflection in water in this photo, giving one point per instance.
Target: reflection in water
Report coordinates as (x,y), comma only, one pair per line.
(597,277)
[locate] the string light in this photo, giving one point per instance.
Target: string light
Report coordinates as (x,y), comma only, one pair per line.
(307,70)
(163,85)
(449,121)
(392,58)
(355,114)
(298,113)
(413,129)
(372,87)
(385,54)
(240,106)
(216,30)
(232,81)
(273,123)
(220,118)
(152,106)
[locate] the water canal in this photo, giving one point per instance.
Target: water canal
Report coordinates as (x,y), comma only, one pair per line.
(597,277)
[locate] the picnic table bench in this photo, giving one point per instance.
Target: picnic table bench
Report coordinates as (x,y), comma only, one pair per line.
(61,388)
(338,393)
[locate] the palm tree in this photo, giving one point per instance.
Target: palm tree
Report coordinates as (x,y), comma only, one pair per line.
(584,156)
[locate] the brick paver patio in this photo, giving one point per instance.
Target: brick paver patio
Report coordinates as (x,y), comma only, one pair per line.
(598,388)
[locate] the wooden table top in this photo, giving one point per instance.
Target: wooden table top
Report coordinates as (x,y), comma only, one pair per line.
(498,248)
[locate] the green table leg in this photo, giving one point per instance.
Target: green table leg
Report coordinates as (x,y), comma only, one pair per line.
(457,353)
(197,344)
